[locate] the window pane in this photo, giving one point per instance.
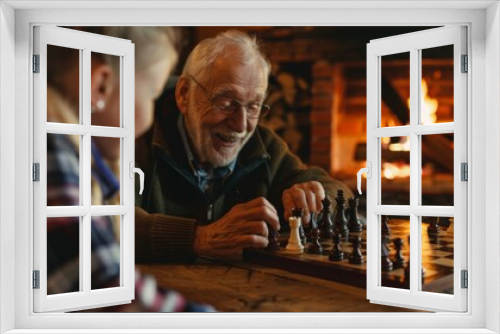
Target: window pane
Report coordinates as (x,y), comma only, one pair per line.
(395,170)
(63,170)
(395,251)
(437,169)
(437,85)
(105,239)
(106,170)
(63,255)
(395,89)
(437,254)
(109,94)
(63,85)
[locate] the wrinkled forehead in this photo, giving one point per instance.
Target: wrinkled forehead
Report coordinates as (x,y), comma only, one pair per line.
(241,92)
(239,80)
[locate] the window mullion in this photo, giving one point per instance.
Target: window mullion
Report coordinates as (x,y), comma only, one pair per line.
(372,155)
(109,210)
(434,129)
(395,131)
(80,149)
(415,78)
(86,156)
(127,258)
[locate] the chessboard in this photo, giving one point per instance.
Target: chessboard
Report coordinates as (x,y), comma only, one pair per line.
(437,259)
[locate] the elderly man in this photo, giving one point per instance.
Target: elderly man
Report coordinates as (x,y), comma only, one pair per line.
(216,181)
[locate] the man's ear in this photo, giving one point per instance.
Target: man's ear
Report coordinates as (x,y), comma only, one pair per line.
(181,94)
(102,84)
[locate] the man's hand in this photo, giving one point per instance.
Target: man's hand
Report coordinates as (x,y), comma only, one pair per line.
(245,226)
(306,195)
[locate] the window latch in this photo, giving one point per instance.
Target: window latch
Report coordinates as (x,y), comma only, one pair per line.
(368,171)
(133,170)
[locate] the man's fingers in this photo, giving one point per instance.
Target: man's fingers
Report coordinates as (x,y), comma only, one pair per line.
(299,198)
(319,193)
(254,241)
(311,200)
(314,194)
(233,245)
(307,195)
(256,227)
(257,202)
(288,204)
(259,213)
(245,226)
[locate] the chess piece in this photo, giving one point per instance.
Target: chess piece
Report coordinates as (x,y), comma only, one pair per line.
(444,222)
(315,247)
(433,227)
(356,256)
(299,212)
(274,243)
(385,261)
(314,224)
(294,245)
(340,219)
(302,235)
(386,230)
(326,221)
(336,254)
(354,222)
(399,260)
(407,274)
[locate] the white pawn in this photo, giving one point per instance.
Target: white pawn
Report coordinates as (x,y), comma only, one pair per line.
(294,245)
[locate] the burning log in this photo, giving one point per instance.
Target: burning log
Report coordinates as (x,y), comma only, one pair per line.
(436,148)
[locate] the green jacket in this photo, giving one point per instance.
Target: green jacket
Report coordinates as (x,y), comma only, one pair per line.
(172,204)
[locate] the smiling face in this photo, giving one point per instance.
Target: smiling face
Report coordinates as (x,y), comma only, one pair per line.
(216,137)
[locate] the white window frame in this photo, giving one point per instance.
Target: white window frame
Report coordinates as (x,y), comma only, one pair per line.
(85,43)
(483,125)
(414,43)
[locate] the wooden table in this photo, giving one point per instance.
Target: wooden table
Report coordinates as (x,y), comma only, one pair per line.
(237,286)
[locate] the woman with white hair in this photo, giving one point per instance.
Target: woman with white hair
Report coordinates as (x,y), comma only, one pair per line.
(155,58)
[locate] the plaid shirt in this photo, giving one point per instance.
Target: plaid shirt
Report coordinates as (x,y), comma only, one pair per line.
(63,234)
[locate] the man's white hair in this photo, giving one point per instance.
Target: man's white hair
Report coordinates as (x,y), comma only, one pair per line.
(204,55)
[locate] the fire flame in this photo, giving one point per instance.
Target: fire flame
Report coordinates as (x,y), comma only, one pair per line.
(403,145)
(392,171)
(429,105)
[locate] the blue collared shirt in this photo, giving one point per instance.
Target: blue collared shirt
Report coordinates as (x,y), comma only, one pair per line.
(208,180)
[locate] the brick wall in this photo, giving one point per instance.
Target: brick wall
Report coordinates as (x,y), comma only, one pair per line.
(322,115)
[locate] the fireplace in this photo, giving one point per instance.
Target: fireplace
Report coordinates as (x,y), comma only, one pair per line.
(338,124)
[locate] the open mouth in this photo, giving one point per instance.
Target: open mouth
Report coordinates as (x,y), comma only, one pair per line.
(227,139)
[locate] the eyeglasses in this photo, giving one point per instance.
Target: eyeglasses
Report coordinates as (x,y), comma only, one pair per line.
(229,106)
